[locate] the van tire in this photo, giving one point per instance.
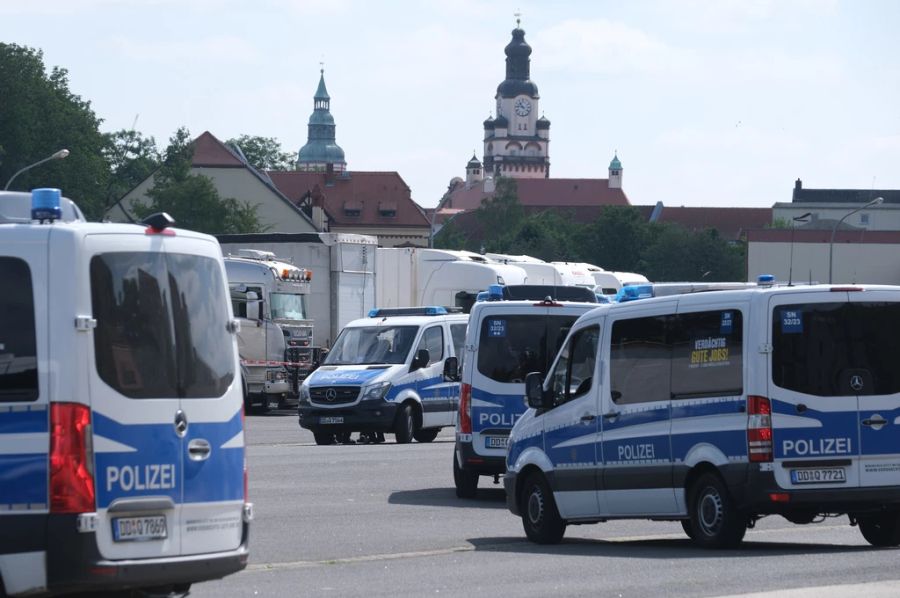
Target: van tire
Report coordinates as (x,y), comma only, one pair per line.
(323,438)
(715,521)
(686,526)
(881,530)
(426,434)
(540,517)
(466,481)
(405,426)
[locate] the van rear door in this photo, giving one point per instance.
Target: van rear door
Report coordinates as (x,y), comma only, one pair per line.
(817,351)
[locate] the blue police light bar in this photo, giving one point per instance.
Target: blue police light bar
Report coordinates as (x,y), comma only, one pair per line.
(765,280)
(431,310)
(45,204)
(633,292)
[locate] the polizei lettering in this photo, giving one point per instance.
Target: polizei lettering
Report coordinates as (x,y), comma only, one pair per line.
(819,446)
(156,476)
(498,419)
(632,452)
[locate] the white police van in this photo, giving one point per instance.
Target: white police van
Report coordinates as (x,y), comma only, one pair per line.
(122,459)
(513,330)
(716,409)
(385,374)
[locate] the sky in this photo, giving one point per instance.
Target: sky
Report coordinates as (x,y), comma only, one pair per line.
(707,102)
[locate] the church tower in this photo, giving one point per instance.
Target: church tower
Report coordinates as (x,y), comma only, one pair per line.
(321,153)
(516,141)
(615,172)
(474,172)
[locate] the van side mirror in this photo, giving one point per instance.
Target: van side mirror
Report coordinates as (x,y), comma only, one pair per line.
(451,369)
(420,360)
(534,390)
(253,306)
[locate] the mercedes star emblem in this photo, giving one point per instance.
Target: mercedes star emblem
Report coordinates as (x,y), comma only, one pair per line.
(856,382)
(330,395)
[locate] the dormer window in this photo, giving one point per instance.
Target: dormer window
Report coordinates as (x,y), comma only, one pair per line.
(353,208)
(387,209)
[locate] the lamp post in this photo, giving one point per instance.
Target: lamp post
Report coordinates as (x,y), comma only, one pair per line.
(794,222)
(55,156)
(874,202)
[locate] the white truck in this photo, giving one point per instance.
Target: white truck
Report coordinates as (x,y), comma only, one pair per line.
(415,277)
(276,337)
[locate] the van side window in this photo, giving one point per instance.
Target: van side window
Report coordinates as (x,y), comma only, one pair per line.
(433,341)
(511,346)
(18,347)
(707,357)
(574,373)
(640,360)
(458,335)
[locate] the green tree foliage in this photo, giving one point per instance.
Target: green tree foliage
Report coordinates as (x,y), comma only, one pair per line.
(501,216)
(131,158)
(616,239)
(192,200)
(677,254)
(263,153)
(550,236)
(39,116)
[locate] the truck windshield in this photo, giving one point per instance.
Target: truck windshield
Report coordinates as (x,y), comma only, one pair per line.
(285,306)
(372,345)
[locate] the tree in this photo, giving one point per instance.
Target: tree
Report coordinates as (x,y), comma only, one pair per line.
(263,153)
(192,200)
(677,254)
(550,236)
(500,216)
(40,116)
(131,158)
(616,240)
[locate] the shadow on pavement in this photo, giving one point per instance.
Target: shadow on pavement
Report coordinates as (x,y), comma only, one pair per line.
(487,498)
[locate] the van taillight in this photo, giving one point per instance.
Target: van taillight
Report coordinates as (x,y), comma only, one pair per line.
(759,429)
(465,408)
(71,459)
(243,427)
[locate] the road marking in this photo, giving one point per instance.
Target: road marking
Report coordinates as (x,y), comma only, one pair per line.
(875,589)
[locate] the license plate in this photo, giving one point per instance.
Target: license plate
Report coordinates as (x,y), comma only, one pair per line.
(332,420)
(500,442)
(131,529)
(818,476)
(273,404)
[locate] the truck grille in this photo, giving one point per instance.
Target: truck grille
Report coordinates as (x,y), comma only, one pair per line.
(333,395)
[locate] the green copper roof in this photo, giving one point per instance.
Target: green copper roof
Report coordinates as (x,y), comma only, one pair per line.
(615,164)
(321,92)
(320,141)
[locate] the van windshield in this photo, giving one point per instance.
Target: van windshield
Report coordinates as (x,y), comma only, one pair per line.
(161,325)
(837,349)
(288,306)
(372,345)
(511,346)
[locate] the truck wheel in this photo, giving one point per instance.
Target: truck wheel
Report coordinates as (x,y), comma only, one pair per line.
(882,529)
(323,438)
(466,481)
(426,435)
(540,517)
(715,520)
(405,426)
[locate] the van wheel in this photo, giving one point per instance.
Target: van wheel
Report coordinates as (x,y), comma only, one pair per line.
(323,438)
(715,521)
(881,530)
(405,426)
(466,482)
(540,517)
(686,526)
(426,435)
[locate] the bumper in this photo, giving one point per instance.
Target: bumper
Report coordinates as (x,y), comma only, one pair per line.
(365,416)
(469,460)
(75,564)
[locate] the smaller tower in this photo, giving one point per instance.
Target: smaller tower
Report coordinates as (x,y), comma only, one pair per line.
(321,153)
(615,172)
(474,172)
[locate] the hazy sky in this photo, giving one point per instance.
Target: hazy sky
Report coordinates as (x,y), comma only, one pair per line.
(708,102)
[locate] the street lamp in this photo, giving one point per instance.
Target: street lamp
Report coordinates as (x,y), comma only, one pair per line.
(56,156)
(794,220)
(874,202)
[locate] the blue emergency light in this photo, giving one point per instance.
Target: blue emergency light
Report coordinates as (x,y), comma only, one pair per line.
(633,292)
(45,204)
(765,280)
(431,310)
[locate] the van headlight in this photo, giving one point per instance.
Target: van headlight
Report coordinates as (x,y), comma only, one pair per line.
(375,392)
(304,393)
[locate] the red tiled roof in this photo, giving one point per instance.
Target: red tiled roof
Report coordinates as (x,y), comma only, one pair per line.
(731,223)
(367,190)
(210,152)
(547,193)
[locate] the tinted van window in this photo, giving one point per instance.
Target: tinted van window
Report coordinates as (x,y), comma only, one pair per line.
(161,327)
(18,348)
(640,360)
(823,348)
(707,357)
(511,346)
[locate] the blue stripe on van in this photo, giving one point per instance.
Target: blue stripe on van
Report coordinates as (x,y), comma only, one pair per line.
(24,422)
(221,477)
(505,409)
(717,407)
(23,480)
(733,443)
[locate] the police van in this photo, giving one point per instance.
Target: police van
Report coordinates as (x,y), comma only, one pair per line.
(122,460)
(513,330)
(385,373)
(717,409)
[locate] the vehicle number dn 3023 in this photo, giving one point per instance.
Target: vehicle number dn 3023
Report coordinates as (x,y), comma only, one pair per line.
(500,442)
(131,529)
(818,476)
(337,419)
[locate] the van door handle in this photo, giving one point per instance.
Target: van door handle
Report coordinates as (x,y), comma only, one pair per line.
(611,415)
(588,417)
(199,449)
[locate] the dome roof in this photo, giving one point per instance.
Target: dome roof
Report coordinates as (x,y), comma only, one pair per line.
(543,122)
(511,88)
(500,122)
(321,117)
(317,151)
(518,46)
(489,123)
(615,164)
(474,162)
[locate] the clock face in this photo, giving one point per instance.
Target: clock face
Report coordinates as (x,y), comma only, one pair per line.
(523,107)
